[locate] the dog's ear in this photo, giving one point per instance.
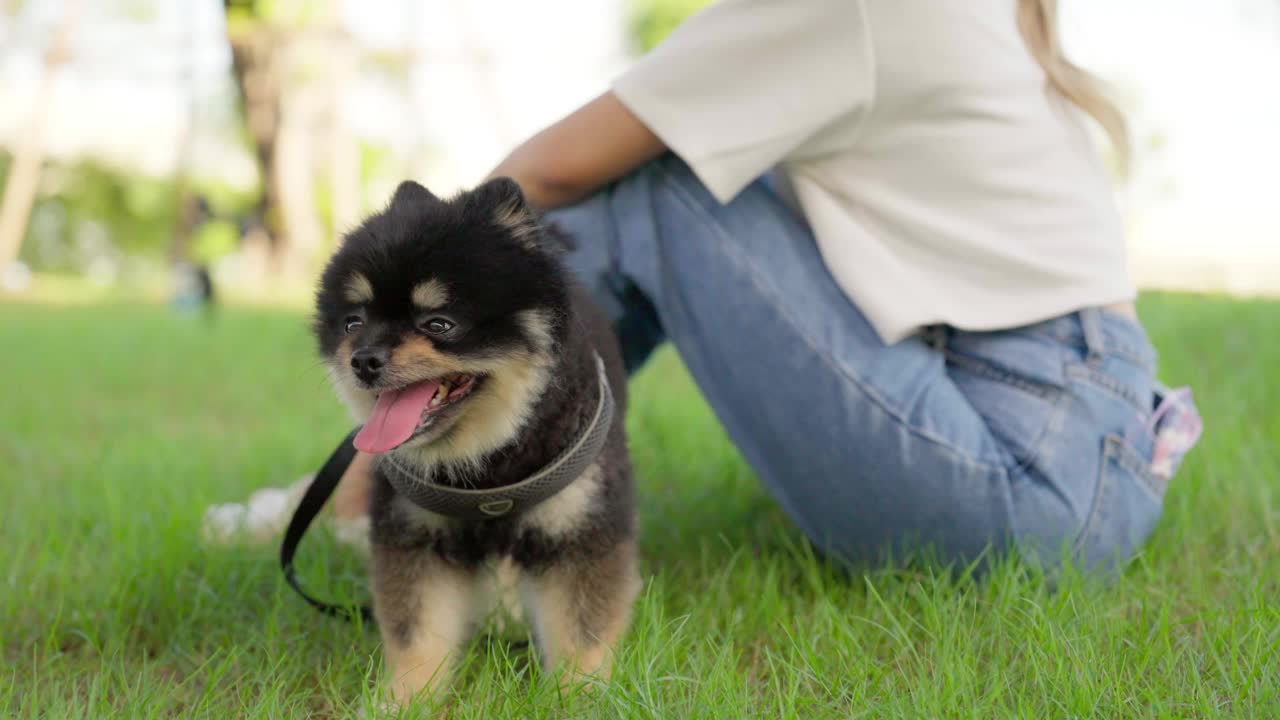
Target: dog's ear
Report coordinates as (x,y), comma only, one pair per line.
(503,203)
(412,194)
(498,192)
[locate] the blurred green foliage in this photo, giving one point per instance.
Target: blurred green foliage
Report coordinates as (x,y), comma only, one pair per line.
(88,209)
(653,20)
(136,211)
(214,239)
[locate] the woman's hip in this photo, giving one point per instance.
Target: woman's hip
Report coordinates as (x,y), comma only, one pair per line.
(1075,403)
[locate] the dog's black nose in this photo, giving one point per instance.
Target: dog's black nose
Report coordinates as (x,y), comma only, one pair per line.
(368,362)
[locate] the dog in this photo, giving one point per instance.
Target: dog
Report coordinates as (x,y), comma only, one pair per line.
(455,334)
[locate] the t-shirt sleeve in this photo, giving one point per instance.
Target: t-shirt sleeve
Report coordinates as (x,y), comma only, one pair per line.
(743,83)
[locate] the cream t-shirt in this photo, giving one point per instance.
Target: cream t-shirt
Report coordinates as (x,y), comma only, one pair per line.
(943,181)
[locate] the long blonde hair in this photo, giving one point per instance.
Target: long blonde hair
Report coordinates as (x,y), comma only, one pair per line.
(1038,21)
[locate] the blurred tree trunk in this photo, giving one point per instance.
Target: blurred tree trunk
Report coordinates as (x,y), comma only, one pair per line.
(344,158)
(275,61)
(189,213)
(255,65)
(294,170)
(344,183)
(24,174)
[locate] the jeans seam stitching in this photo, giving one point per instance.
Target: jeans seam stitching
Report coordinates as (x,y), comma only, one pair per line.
(1129,459)
(997,374)
(1088,529)
(849,373)
(1101,380)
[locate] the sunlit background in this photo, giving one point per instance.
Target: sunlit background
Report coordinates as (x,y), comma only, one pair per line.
(246,136)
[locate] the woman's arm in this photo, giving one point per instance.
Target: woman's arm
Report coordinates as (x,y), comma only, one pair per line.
(599,142)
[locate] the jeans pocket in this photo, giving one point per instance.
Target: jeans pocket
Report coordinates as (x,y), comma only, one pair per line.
(1127,503)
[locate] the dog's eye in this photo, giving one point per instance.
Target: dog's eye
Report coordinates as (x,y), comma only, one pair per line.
(436,326)
(353,323)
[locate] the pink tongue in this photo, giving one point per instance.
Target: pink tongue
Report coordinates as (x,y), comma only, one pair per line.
(395,417)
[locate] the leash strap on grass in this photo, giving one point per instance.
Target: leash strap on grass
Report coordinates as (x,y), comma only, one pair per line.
(312,502)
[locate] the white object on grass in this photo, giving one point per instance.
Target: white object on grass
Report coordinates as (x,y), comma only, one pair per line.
(266,515)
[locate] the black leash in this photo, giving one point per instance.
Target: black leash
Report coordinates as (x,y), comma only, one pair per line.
(312,502)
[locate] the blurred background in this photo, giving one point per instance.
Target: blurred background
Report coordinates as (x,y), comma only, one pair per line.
(142,136)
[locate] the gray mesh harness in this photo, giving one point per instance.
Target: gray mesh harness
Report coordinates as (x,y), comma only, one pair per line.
(517,497)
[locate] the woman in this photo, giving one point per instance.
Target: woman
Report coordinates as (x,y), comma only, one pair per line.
(918,326)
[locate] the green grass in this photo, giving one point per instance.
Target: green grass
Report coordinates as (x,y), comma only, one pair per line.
(120,424)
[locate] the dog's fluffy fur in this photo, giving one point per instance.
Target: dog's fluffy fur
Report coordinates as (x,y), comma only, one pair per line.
(527,337)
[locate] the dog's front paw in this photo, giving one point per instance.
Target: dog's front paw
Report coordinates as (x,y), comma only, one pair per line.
(381,711)
(396,703)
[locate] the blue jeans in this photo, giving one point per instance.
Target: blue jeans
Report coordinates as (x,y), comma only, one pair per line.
(955,442)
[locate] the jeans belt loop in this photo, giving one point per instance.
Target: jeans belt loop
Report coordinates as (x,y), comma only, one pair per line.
(1091,325)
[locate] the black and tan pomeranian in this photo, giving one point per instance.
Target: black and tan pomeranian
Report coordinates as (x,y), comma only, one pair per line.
(492,390)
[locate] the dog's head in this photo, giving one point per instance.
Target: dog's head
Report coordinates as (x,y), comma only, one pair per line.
(439,321)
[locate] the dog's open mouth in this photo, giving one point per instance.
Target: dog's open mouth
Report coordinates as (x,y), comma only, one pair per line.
(404,413)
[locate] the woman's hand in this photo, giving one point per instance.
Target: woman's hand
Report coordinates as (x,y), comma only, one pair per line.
(596,144)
